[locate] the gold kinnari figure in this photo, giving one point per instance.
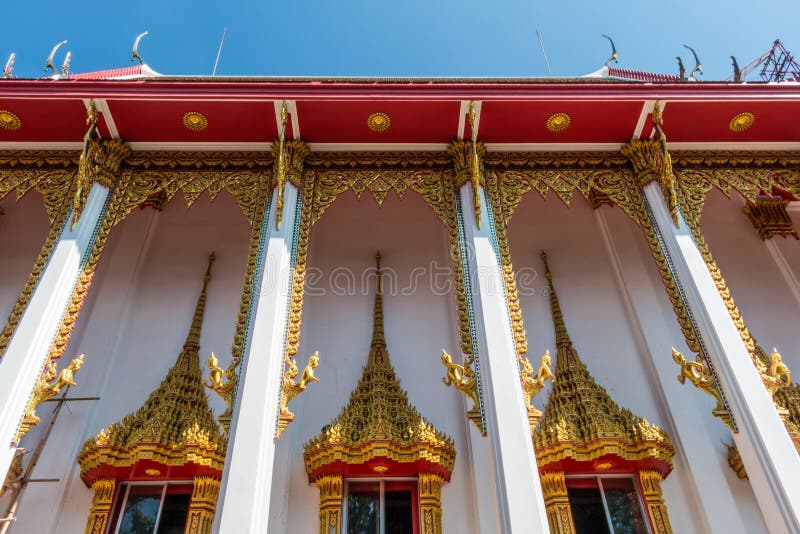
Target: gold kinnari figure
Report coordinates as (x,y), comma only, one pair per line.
(50,384)
(292,388)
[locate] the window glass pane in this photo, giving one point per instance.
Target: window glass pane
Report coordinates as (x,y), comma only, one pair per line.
(363,506)
(173,515)
(399,518)
(623,506)
(141,510)
(587,510)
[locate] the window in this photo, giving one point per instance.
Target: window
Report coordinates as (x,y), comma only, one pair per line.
(606,505)
(152,508)
(381,507)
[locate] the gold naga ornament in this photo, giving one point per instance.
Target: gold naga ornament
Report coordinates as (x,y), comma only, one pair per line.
(583,431)
(99,162)
(173,435)
(379,433)
(651,160)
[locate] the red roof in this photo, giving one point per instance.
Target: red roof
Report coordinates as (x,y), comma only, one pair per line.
(642,76)
(135,70)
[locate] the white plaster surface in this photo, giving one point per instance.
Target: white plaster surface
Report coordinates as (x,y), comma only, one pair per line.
(604,337)
(132,328)
(418,324)
(23,229)
(139,307)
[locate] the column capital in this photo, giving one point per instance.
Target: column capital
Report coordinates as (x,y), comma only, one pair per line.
(652,162)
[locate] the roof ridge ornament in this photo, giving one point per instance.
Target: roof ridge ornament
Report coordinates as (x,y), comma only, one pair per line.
(49,62)
(135,52)
(613,57)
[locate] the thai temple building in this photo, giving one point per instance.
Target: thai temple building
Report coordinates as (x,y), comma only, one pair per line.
(385,306)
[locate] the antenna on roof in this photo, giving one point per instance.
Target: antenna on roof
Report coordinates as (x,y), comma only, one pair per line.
(544,54)
(219,51)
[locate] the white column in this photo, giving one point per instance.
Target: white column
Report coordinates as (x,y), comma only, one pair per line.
(518,492)
(700,449)
(24,359)
(772,463)
(247,482)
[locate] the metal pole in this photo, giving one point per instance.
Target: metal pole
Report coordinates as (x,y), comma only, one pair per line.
(25,479)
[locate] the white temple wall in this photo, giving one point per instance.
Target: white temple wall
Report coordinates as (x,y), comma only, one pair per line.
(140,304)
(660,327)
(132,328)
(768,303)
(603,333)
(23,229)
(337,321)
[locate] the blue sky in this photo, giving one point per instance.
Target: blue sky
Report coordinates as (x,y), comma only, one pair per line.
(401,38)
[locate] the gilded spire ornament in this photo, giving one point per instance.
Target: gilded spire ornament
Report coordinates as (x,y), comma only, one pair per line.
(175,425)
(584,431)
(581,421)
(379,433)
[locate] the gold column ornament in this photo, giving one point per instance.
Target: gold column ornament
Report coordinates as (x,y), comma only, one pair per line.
(292,387)
(464,379)
(650,481)
(532,384)
(99,162)
(768,216)
(203,505)
(651,161)
(101,505)
(468,164)
(330,503)
(556,502)
(430,503)
(288,156)
(49,385)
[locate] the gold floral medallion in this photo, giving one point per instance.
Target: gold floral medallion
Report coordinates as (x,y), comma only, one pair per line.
(9,120)
(558,122)
(742,122)
(379,122)
(195,121)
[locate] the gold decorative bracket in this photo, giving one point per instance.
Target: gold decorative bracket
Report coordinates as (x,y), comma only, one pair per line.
(651,161)
(99,162)
(280,164)
(769,218)
(533,383)
(291,387)
(50,384)
(464,379)
(288,156)
(223,383)
(700,375)
(468,162)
